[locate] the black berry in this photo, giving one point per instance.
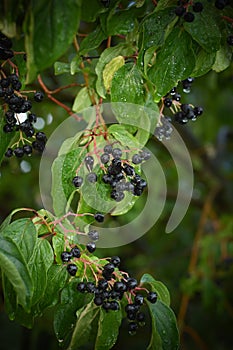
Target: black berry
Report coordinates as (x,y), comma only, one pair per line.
(99,217)
(189,17)
(77,181)
(72,269)
(152,297)
(93,235)
(38,96)
(197,7)
(75,252)
(66,256)
(91,247)
(92,177)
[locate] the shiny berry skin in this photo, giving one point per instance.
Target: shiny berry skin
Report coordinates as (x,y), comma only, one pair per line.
(132,327)
(104,158)
(116,152)
(129,170)
(117,195)
(103,284)
(98,300)
(27,149)
(114,305)
(109,268)
(167,102)
(138,299)
(115,260)
(93,235)
(72,269)
(89,162)
(99,217)
(90,287)
(76,253)
(38,96)
(91,247)
(81,287)
(7,128)
(40,136)
(119,287)
(9,153)
(108,149)
(131,283)
(66,256)
(136,159)
(38,146)
(77,181)
(18,152)
(198,110)
(152,297)
(92,177)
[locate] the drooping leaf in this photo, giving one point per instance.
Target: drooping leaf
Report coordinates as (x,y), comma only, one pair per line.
(124,137)
(165,335)
(82,100)
(93,40)
(61,68)
(175,61)
(106,57)
(17,243)
(65,313)
(48,34)
(200,31)
(223,59)
(108,329)
(90,13)
(110,69)
(127,85)
(204,63)
(154,28)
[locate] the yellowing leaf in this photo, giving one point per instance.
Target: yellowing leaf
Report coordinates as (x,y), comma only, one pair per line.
(110,69)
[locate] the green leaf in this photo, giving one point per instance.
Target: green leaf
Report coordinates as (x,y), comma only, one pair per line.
(16,245)
(58,242)
(75,65)
(61,68)
(204,63)
(85,328)
(153,29)
(127,85)
(38,265)
(93,40)
(65,313)
(63,171)
(156,286)
(56,279)
(121,22)
(82,100)
(108,329)
(200,29)
(110,69)
(5,138)
(106,57)
(48,34)
(165,335)
(223,59)
(119,132)
(175,61)
(90,13)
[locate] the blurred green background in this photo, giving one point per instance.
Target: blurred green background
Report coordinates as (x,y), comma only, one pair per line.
(194,261)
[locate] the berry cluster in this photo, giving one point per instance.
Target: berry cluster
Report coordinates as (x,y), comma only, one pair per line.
(186,10)
(109,290)
(119,174)
(182,112)
(163,128)
(16,106)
